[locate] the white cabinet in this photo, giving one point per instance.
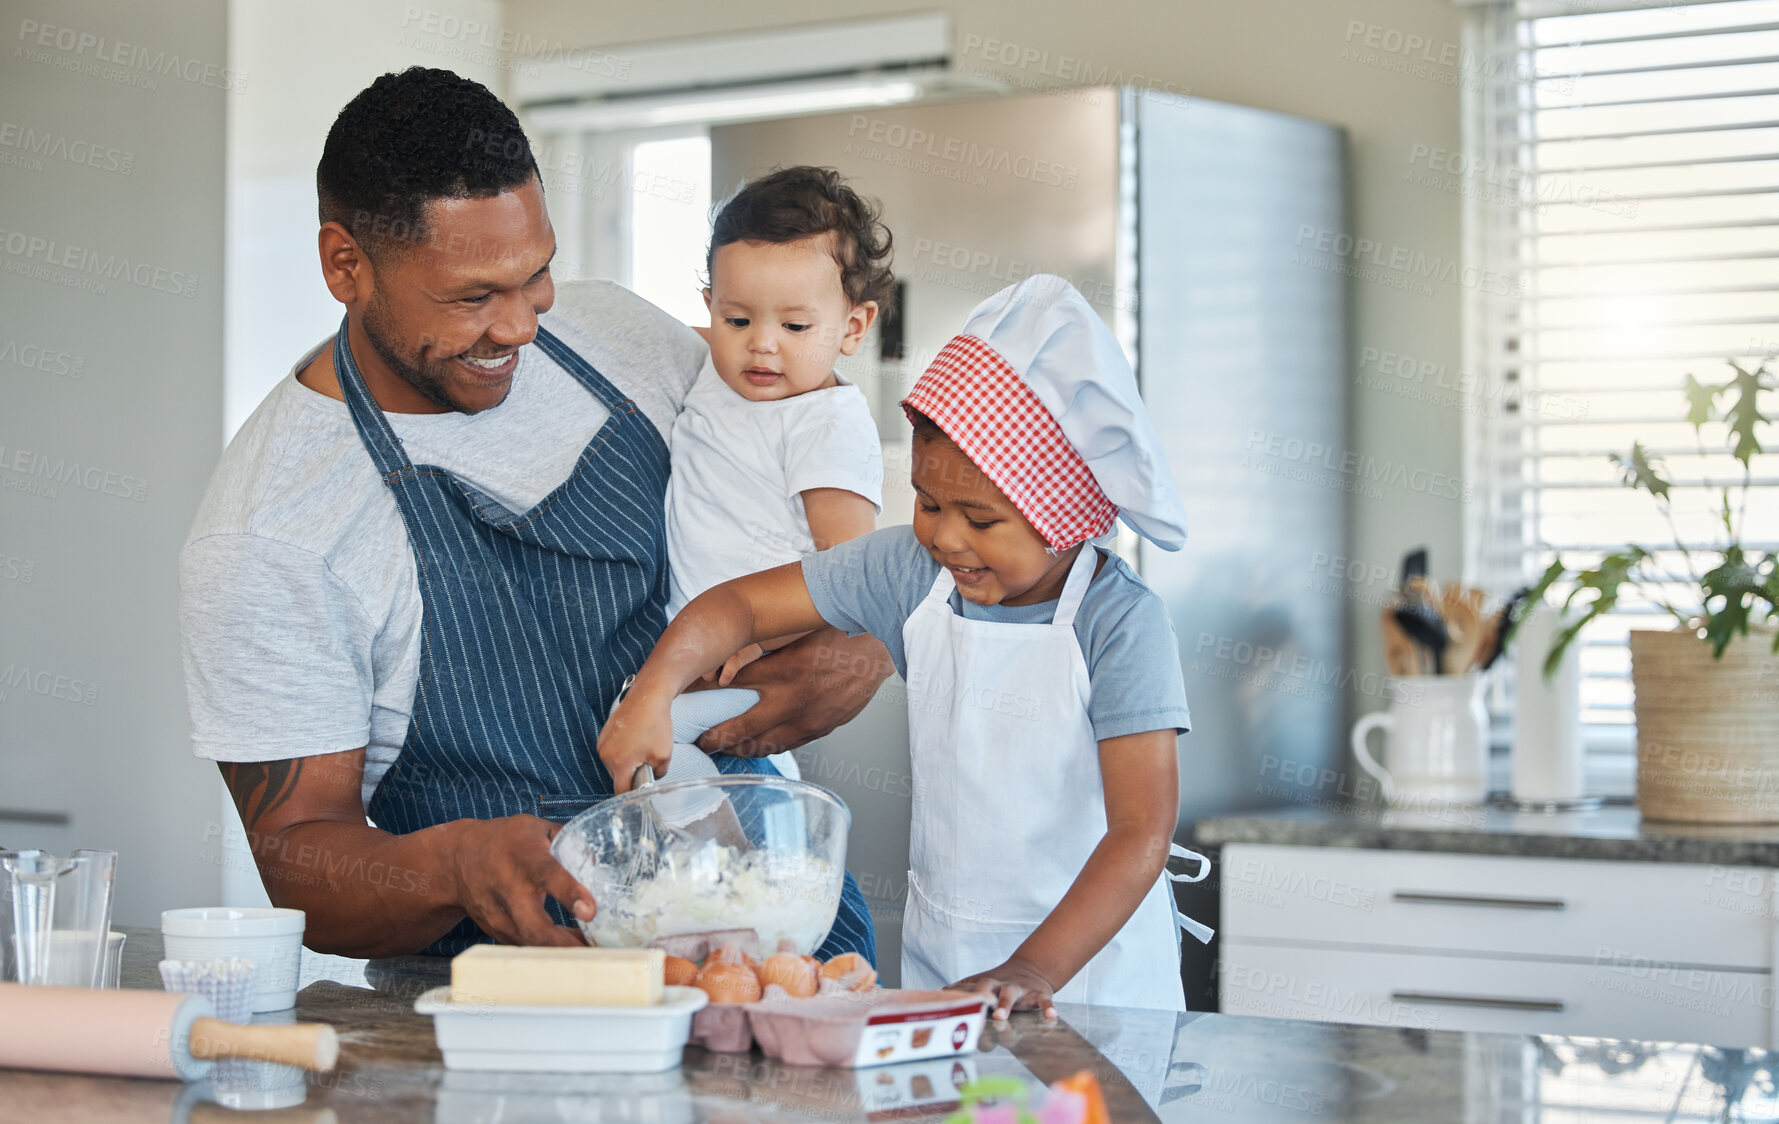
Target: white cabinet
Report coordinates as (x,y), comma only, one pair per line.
(1665,951)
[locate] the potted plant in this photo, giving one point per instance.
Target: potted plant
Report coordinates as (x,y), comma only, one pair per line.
(1707,710)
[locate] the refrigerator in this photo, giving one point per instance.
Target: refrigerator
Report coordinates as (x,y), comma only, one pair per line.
(1181,220)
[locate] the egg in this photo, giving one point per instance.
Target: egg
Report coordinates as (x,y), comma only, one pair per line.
(726,981)
(679,972)
(733,954)
(850,970)
(789,971)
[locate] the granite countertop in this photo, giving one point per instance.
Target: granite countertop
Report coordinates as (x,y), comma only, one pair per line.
(1615,833)
(1154,1066)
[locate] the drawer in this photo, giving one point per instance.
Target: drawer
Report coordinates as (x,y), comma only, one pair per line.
(1547,908)
(1431,992)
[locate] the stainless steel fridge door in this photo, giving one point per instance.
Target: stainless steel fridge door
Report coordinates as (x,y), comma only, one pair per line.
(1242,356)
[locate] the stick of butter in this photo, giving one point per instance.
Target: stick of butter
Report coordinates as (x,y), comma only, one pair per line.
(558,977)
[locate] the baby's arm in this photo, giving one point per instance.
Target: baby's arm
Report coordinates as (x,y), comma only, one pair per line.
(835,515)
(1141,777)
(716,623)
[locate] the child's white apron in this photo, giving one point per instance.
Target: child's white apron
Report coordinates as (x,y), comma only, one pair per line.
(1008,803)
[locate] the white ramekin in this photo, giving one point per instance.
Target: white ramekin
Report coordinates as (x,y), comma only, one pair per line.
(271,938)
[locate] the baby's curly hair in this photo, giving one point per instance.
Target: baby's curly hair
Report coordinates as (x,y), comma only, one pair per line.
(408,139)
(792,203)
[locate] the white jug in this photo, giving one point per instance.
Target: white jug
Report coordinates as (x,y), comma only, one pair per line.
(1436,742)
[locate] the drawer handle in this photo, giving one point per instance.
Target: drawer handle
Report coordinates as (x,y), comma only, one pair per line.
(31,815)
(1552,1005)
(1424,897)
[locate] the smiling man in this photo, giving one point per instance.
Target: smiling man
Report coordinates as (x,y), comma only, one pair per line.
(428,561)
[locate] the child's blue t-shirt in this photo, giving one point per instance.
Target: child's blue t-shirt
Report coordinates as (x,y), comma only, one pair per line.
(875,582)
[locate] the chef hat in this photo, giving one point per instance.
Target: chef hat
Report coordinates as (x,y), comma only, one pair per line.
(1038,394)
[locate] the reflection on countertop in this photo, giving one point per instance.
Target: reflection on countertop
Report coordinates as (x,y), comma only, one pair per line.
(1614,833)
(1154,1065)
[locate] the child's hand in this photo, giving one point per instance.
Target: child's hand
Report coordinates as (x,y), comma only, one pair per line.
(636,733)
(1014,986)
(725,675)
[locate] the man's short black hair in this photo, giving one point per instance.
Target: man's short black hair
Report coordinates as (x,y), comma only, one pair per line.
(408,139)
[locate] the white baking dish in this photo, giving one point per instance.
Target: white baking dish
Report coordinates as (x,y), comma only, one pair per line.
(484,1036)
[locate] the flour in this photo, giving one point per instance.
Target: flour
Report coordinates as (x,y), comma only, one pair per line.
(709,886)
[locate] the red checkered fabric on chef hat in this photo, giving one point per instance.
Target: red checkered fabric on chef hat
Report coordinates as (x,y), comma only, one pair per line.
(984,405)
(1042,332)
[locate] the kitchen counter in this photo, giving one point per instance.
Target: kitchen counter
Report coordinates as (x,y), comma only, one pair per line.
(1153,1065)
(1613,833)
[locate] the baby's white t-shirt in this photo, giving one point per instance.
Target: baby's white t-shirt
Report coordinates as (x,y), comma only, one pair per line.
(734,501)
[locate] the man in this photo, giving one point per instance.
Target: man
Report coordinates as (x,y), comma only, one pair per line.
(429,560)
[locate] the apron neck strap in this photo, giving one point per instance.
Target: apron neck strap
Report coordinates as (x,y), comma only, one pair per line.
(1087,560)
(571,361)
(374,429)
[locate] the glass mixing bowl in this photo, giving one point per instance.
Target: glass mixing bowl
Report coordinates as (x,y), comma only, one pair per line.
(741,851)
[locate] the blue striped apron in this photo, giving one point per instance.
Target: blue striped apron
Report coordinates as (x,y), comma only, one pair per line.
(531,622)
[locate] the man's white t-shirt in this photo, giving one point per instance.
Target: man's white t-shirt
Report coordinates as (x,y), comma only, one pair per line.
(300,610)
(740,468)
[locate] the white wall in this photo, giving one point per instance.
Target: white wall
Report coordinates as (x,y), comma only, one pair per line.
(111,292)
(1306,57)
(307,61)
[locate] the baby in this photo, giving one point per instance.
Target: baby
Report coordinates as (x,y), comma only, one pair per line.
(774,455)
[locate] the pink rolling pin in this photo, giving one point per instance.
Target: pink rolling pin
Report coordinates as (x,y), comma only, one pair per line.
(143,1034)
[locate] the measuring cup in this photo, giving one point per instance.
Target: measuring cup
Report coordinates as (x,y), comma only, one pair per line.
(55,916)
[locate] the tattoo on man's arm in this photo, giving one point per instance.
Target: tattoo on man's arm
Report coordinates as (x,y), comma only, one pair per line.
(260,786)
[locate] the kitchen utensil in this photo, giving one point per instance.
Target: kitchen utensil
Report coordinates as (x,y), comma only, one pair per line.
(1461,609)
(55,916)
(1436,742)
(1401,656)
(1491,643)
(657,835)
(1422,622)
(1414,565)
(771,859)
(138,1033)
(271,938)
(562,1039)
(1502,631)
(679,820)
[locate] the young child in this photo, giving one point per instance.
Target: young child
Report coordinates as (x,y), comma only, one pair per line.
(1044,685)
(774,455)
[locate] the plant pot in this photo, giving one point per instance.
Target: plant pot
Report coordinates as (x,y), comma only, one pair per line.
(1707,729)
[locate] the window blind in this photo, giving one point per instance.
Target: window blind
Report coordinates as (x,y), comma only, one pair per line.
(1623,164)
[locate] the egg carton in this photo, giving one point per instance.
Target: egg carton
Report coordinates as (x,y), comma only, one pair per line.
(883,1026)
